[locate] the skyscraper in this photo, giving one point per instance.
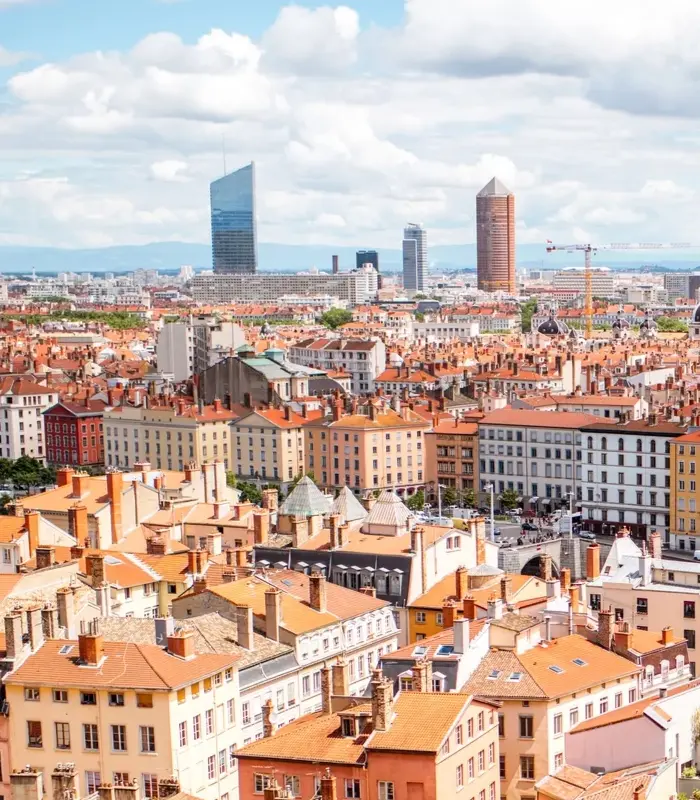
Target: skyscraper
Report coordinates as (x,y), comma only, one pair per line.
(415,257)
(363,257)
(233,236)
(495,238)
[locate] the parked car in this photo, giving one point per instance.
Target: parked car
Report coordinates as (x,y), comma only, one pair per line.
(529,526)
(586,535)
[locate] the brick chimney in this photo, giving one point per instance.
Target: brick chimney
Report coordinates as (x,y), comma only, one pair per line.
(461,583)
(593,561)
(506,588)
(244,620)
(81,484)
(273,613)
(27,784)
(269,726)
(605,627)
(13,634)
(270,499)
(91,645)
(341,677)
(449,613)
(382,692)
(667,635)
(95,568)
(261,527)
(78,525)
(469,607)
(155,546)
(545,567)
(329,789)
(623,638)
(64,781)
(326,689)
(115,485)
(422,676)
(317,592)
(66,610)
(181,644)
(45,557)
(64,476)
(565,579)
(655,545)
(333,526)
(49,621)
(31,524)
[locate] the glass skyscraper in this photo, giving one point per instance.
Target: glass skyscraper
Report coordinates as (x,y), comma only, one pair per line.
(415,257)
(233,235)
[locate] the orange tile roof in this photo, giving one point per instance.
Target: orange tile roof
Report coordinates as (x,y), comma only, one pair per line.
(11,528)
(434,642)
(126,665)
(446,588)
(539,419)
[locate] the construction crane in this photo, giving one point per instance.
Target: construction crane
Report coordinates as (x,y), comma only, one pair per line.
(589,249)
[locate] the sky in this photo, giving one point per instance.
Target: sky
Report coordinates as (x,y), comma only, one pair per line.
(115,116)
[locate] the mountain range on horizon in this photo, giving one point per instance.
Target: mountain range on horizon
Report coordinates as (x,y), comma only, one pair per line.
(291,258)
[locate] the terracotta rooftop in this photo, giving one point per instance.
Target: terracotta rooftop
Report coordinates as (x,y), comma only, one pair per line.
(539,419)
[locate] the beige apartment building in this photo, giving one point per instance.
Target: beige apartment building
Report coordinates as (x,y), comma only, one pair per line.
(373,447)
(121,711)
(168,437)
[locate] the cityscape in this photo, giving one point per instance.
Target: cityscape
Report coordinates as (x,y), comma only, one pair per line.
(388,492)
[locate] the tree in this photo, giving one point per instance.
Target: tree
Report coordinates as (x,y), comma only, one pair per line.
(336,317)
(231,479)
(469,498)
(671,325)
(509,499)
(5,500)
(526,312)
(420,316)
(416,501)
(249,492)
(449,497)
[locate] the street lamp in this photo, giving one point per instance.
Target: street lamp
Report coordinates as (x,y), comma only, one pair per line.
(440,486)
(570,495)
(490,488)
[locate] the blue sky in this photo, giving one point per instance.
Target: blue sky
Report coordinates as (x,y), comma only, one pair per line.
(56,29)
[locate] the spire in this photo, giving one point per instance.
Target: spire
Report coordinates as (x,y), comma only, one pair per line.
(494,188)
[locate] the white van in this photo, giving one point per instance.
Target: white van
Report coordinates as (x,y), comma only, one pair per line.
(696,555)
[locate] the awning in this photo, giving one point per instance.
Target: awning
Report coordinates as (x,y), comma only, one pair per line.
(341,566)
(547,501)
(534,499)
(303,564)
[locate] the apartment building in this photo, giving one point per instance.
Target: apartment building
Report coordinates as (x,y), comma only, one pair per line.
(373,447)
(123,712)
(545,688)
(168,436)
(362,359)
(626,475)
(23,403)
(684,523)
(376,750)
(188,348)
(452,455)
(536,453)
(318,620)
(269,444)
(74,433)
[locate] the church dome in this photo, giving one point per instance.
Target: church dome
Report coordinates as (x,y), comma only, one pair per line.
(553,327)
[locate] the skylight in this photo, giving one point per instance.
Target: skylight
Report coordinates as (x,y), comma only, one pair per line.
(555,668)
(580,662)
(65,649)
(495,673)
(421,650)
(112,560)
(445,650)
(515,676)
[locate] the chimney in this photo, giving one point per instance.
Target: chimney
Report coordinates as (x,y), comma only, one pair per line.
(261,527)
(64,782)
(78,524)
(461,583)
(382,692)
(35,627)
(270,499)
(95,568)
(273,613)
(480,543)
(115,485)
(553,588)
(333,526)
(623,638)
(64,476)
(639,793)
(547,628)
(165,626)
(105,791)
(495,608)
(593,561)
(326,689)
(214,543)
(155,546)
(27,783)
(31,524)
(329,790)
(667,636)
(545,567)
(45,557)
(80,484)
(506,589)
(341,678)
(461,635)
(605,628)
(66,610)
(317,592)
(181,644)
(269,726)
(655,545)
(244,620)
(469,607)
(449,614)
(77,550)
(575,596)
(13,634)
(422,676)
(91,646)
(199,584)
(49,621)
(565,580)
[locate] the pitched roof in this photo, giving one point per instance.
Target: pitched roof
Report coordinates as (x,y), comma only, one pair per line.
(348,506)
(306,500)
(539,419)
(388,511)
(494,188)
(573,783)
(434,643)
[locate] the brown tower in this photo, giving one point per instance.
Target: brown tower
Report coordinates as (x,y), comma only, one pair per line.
(495,238)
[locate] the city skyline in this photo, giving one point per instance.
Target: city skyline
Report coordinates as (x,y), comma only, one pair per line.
(130,156)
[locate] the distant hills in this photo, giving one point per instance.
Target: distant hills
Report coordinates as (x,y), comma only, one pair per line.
(289,258)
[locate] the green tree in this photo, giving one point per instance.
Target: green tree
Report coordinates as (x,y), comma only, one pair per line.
(527,310)
(509,499)
(5,500)
(449,497)
(420,316)
(469,498)
(336,317)
(231,479)
(671,325)
(416,501)
(249,492)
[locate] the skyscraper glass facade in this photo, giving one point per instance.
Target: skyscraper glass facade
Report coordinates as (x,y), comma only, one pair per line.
(415,257)
(233,235)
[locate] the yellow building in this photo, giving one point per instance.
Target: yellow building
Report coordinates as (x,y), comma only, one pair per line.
(373,447)
(466,593)
(121,711)
(684,524)
(168,437)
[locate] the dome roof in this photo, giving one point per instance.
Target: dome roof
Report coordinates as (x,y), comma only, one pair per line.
(553,327)
(696,314)
(620,322)
(649,324)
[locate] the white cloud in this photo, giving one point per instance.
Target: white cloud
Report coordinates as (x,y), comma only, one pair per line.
(9,58)
(169,171)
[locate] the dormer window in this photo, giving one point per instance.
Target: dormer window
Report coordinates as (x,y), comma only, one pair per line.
(348,726)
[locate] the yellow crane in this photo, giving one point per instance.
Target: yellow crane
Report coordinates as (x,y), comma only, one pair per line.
(589,249)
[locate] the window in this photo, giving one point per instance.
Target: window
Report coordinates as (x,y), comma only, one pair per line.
(32,694)
(481,760)
(231,709)
(182,734)
(460,776)
(480,721)
(118,738)
(573,717)
(116,699)
(261,782)
(222,762)
(60,696)
(558,726)
(502,766)
(558,760)
(292,785)
(148,739)
(689,609)
(492,754)
(144,700)
(527,768)
(92,781)
(91,739)
(501,725)
(352,788)
(642,605)
(420,617)
(34,734)
(245,712)
(459,734)
(470,769)
(588,710)
(618,700)
(88,699)
(526,727)
(690,636)
(603,705)
(385,790)
(196,727)
(209,721)
(211,768)
(62,736)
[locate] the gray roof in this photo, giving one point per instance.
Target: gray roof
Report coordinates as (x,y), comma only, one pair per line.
(348,506)
(388,511)
(484,569)
(494,188)
(306,500)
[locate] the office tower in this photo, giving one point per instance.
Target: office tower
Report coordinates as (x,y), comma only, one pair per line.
(336,264)
(682,285)
(415,257)
(363,257)
(233,236)
(495,238)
